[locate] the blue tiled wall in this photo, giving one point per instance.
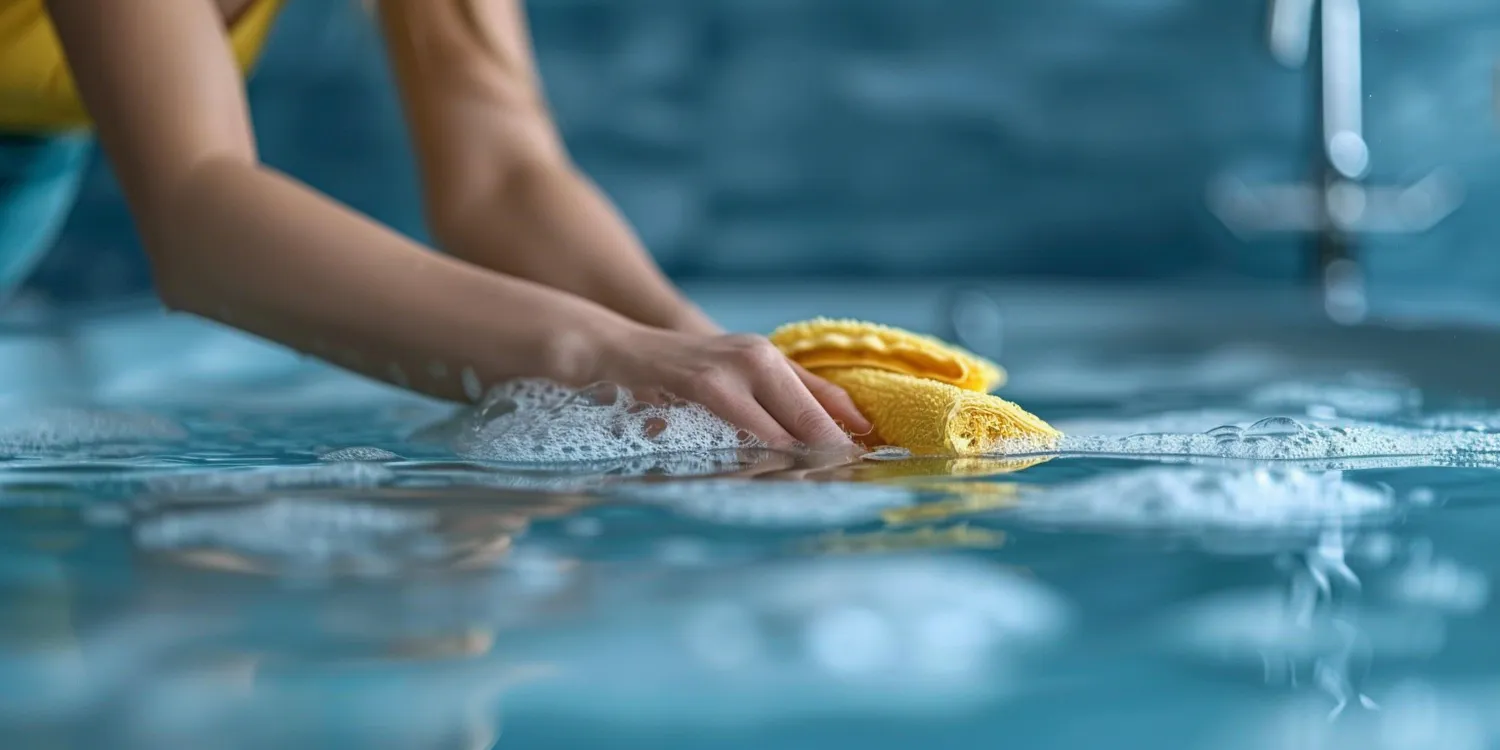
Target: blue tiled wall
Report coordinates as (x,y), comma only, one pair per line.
(900,137)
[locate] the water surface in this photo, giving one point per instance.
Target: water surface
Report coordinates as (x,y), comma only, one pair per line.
(1302,564)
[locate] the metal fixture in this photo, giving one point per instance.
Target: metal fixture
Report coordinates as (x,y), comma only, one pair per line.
(1337,206)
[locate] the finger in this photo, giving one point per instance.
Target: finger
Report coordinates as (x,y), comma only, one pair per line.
(835,401)
(736,405)
(754,419)
(786,399)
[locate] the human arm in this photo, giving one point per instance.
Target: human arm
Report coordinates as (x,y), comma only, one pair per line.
(232,240)
(500,188)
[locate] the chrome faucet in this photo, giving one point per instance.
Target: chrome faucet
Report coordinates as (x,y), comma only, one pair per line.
(1337,206)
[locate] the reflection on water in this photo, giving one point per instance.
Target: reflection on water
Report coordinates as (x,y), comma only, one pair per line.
(344,577)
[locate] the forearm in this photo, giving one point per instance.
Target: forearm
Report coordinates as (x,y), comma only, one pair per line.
(256,250)
(549,223)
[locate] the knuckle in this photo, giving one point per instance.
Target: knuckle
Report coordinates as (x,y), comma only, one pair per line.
(758,351)
(712,381)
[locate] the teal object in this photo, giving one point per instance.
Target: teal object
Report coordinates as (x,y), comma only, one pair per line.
(39,181)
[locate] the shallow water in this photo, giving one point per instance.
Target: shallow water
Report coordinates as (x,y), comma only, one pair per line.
(1304,564)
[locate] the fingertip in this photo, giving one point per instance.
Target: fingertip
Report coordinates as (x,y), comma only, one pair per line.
(841,406)
(851,418)
(838,441)
(857,429)
(862,424)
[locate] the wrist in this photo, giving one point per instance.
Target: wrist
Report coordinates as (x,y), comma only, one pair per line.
(577,353)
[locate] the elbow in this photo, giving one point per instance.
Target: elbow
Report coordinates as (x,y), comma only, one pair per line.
(171,275)
(178,286)
(464,210)
(171,290)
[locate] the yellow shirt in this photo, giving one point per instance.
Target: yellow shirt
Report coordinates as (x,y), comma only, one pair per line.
(37,94)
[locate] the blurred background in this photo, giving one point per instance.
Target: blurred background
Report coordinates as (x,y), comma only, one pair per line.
(781,139)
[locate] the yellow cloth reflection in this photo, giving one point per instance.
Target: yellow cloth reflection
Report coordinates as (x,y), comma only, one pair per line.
(925,538)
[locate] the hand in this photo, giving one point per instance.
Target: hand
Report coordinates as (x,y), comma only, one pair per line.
(743,379)
(690,319)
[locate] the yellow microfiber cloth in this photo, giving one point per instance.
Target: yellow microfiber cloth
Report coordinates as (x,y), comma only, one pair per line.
(920,393)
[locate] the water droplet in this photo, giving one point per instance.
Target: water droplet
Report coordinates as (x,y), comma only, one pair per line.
(472,388)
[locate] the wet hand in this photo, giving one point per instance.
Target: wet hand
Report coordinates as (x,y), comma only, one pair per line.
(743,379)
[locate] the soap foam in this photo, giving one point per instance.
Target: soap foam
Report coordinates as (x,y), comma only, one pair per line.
(537,421)
(35,431)
(909,636)
(359,453)
(764,503)
(1179,498)
(1247,436)
(257,480)
(1443,585)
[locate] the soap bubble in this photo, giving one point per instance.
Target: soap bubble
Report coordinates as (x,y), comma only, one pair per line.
(537,421)
(342,474)
(898,635)
(36,431)
(358,453)
(1246,436)
(1173,498)
(767,503)
(1443,585)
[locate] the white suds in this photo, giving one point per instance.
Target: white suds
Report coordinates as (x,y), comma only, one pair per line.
(1241,435)
(1180,498)
(537,421)
(257,480)
(358,453)
(52,429)
(762,503)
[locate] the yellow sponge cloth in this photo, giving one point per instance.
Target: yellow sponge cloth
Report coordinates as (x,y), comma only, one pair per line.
(920,393)
(819,343)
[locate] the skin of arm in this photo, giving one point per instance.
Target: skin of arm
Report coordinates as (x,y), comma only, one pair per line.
(234,241)
(501,190)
